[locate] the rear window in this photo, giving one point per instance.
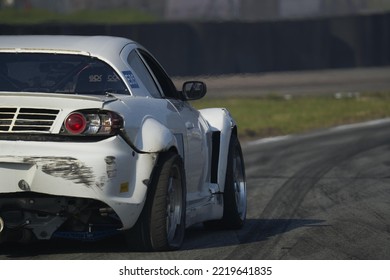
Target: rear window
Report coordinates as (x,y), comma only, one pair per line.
(58,73)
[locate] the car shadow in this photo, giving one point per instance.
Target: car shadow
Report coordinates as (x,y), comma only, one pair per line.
(197,237)
(255,230)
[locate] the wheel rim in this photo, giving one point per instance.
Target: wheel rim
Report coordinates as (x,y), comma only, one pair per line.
(174,204)
(239,184)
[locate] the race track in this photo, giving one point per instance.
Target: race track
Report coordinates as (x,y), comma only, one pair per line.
(323,195)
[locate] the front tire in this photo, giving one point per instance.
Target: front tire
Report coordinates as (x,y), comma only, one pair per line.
(234,196)
(161,224)
(235,204)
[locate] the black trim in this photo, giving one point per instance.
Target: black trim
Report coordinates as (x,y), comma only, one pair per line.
(216,143)
(50,137)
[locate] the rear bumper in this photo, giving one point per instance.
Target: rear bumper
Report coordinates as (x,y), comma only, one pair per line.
(108,171)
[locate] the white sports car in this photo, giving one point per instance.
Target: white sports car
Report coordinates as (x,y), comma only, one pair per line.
(96,140)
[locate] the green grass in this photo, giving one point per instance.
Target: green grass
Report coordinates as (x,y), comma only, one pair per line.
(274,115)
(112,16)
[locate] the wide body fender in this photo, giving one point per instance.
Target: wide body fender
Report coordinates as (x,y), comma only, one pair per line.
(222,123)
(145,133)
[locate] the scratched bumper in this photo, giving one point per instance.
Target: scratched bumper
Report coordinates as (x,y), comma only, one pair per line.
(108,171)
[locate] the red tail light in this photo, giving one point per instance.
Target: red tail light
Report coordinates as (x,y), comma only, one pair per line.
(93,122)
(75,123)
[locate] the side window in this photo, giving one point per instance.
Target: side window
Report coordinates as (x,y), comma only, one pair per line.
(138,66)
(162,77)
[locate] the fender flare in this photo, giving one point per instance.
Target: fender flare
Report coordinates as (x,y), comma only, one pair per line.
(221,121)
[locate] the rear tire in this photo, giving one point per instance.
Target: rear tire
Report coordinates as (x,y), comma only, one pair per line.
(161,224)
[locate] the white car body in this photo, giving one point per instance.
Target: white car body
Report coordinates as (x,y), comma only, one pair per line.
(47,177)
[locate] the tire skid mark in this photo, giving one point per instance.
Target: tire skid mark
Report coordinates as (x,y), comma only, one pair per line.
(288,198)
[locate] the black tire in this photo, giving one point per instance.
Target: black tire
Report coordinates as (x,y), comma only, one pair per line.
(234,196)
(161,225)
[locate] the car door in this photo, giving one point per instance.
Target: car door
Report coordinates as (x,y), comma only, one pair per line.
(195,143)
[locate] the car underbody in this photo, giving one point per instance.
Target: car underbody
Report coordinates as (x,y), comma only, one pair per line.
(28,216)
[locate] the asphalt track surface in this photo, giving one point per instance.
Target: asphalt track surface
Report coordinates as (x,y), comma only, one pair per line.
(322,195)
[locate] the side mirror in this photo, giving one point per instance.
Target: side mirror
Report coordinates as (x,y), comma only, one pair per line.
(193,90)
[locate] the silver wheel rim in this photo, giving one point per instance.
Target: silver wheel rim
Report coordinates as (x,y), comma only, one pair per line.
(239,184)
(174,204)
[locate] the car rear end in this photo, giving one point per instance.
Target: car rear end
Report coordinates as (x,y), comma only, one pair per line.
(65,169)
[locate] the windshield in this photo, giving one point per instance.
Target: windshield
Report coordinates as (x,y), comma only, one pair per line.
(58,73)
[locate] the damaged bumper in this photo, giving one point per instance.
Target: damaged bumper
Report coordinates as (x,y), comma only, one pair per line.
(75,187)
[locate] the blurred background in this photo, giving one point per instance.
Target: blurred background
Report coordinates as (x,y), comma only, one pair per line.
(271,49)
(214,9)
(214,37)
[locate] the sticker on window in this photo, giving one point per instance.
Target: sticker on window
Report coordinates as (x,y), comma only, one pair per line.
(95,78)
(131,79)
